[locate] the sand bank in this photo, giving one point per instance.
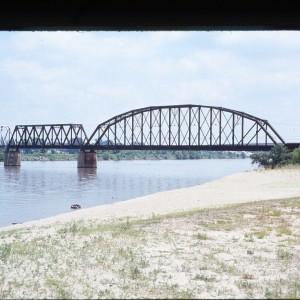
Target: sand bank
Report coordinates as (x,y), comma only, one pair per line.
(237,188)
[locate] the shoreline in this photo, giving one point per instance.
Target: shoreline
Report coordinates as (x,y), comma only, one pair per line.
(241,187)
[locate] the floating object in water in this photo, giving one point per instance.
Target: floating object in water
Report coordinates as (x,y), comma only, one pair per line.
(15,223)
(75,206)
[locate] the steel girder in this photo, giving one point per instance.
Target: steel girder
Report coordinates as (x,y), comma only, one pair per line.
(58,136)
(185,127)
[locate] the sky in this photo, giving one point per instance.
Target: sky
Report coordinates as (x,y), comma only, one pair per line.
(89,77)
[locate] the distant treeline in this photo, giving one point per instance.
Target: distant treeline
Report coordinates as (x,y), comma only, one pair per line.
(54,155)
(164,154)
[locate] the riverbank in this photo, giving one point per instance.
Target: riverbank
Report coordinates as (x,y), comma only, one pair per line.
(185,243)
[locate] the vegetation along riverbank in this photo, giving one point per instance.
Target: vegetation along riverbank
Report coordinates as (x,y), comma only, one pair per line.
(54,155)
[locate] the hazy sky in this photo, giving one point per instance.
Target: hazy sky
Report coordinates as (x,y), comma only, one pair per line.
(88,77)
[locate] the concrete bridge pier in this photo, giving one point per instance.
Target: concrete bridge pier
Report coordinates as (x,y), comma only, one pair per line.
(87,159)
(12,158)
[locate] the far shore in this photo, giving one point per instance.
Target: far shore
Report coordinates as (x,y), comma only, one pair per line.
(237,188)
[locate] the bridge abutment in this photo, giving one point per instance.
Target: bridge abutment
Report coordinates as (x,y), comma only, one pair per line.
(87,159)
(12,158)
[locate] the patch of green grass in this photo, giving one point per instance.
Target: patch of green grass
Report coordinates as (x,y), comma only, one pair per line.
(221,224)
(58,287)
(293,289)
(268,293)
(5,251)
(283,253)
(71,227)
(244,284)
(173,291)
(25,248)
(274,213)
(283,230)
(209,257)
(204,277)
(261,234)
(227,268)
(135,272)
(247,276)
(202,236)
(290,202)
(126,228)
(51,282)
(275,289)
(9,233)
(249,237)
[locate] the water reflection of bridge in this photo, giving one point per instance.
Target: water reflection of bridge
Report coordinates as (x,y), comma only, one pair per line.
(178,127)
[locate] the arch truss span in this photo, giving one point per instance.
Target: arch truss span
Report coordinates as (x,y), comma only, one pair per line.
(185,127)
(5,134)
(58,136)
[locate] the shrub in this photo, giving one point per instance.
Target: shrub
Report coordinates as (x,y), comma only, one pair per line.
(296,156)
(278,156)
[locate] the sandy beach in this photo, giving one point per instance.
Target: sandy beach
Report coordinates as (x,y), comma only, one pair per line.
(237,188)
(228,238)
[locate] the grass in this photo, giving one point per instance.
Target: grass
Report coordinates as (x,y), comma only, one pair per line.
(202,236)
(191,254)
(284,253)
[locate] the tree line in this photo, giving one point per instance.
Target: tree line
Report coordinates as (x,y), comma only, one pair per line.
(33,155)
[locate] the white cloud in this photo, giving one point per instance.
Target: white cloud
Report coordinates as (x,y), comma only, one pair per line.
(88,77)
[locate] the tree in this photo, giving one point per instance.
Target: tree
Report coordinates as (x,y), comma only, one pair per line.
(105,156)
(243,155)
(296,156)
(279,155)
(260,158)
(178,155)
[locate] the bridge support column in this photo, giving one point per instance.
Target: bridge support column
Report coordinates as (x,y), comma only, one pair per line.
(87,159)
(12,158)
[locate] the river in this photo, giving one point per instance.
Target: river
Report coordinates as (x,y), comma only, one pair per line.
(42,189)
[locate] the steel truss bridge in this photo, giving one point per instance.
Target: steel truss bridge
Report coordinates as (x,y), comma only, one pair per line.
(177,127)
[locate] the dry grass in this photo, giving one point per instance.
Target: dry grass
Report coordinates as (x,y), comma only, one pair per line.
(239,251)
